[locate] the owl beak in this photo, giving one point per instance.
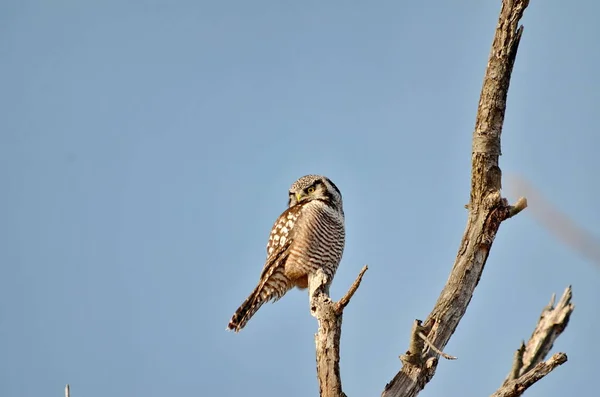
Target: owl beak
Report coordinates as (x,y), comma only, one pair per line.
(298,196)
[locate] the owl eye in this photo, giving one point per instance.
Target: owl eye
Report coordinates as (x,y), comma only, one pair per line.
(311,190)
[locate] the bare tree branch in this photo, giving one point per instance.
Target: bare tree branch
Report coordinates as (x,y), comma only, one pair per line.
(517,387)
(67,391)
(346,298)
(327,340)
(552,323)
(487,208)
(528,366)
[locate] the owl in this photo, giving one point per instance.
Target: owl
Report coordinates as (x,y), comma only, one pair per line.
(309,235)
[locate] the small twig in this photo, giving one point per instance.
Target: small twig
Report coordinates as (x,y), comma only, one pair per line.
(517,387)
(435,349)
(416,347)
(517,362)
(550,305)
(343,302)
(519,206)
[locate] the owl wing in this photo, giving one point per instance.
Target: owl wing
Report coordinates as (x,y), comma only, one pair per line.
(283,230)
(278,250)
(272,284)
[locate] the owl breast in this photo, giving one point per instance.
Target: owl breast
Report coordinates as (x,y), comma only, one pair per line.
(317,243)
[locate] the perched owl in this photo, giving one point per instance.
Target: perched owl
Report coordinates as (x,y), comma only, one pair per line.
(309,235)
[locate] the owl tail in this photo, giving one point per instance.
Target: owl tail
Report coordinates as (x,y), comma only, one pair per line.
(273,284)
(247,310)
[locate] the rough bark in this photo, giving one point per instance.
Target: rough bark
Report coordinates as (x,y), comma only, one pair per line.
(327,339)
(552,323)
(487,208)
(517,387)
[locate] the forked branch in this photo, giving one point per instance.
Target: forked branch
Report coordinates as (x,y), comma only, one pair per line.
(517,387)
(327,339)
(551,324)
(528,364)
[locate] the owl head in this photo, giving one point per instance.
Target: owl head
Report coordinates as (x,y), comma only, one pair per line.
(315,187)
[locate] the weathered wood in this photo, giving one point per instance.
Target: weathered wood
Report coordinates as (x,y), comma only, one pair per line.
(552,322)
(517,387)
(327,339)
(487,208)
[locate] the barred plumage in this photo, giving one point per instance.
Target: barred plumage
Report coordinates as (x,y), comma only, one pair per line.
(307,236)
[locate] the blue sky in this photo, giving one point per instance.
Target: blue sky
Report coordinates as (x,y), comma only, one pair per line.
(147,147)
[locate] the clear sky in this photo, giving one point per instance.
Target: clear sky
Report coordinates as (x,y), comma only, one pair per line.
(147,147)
